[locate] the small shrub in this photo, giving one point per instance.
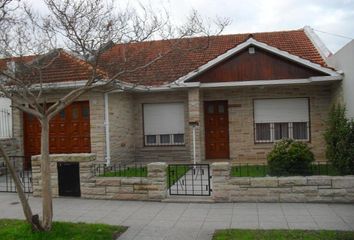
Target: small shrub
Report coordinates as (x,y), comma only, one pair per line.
(289,157)
(339,138)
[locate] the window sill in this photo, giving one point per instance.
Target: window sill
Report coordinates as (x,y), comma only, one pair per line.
(165,148)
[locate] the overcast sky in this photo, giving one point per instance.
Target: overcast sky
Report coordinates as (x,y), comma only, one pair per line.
(333,16)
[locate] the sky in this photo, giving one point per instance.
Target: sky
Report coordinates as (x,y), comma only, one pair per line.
(332,16)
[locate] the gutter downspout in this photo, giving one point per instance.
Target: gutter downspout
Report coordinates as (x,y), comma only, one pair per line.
(107,133)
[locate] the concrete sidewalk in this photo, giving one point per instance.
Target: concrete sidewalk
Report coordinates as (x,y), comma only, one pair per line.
(186,221)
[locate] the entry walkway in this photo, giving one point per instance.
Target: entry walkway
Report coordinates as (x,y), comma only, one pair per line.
(187,221)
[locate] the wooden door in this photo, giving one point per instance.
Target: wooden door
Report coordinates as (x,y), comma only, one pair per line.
(69,132)
(216,118)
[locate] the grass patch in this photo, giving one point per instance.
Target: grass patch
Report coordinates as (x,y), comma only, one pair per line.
(175,172)
(126,172)
(263,170)
(233,234)
(20,230)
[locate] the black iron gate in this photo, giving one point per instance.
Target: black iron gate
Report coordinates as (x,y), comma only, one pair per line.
(189,179)
(7,184)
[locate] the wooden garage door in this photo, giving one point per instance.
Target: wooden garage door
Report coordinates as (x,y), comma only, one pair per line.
(69,131)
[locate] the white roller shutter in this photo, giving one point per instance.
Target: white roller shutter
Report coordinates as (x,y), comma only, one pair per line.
(163,118)
(281,110)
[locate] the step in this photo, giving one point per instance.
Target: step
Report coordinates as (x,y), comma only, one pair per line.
(188,199)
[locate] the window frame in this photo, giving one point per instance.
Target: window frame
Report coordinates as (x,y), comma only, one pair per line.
(290,130)
(158,139)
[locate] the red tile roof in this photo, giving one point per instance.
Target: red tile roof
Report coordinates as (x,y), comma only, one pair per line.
(64,68)
(179,57)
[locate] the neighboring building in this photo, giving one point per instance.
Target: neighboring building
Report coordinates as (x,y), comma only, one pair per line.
(343,60)
(245,91)
(5,118)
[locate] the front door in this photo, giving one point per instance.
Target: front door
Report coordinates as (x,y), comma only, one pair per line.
(216,118)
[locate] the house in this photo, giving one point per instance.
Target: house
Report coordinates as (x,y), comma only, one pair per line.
(235,95)
(343,59)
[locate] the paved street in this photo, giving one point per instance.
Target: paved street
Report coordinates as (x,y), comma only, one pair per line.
(185,221)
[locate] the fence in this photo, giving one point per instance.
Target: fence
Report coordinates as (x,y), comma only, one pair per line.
(119,170)
(6,182)
(5,123)
(262,170)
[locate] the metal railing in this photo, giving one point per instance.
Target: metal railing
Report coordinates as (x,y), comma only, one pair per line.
(5,123)
(120,170)
(6,182)
(262,170)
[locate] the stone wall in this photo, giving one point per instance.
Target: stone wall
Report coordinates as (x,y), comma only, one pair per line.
(153,187)
(279,189)
(121,127)
(12,148)
(85,161)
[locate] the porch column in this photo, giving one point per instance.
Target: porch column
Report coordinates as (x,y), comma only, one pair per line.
(194,116)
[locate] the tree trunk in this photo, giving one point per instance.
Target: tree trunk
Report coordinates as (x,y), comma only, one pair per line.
(24,202)
(47,206)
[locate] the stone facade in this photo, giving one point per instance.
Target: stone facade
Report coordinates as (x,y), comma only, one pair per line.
(152,187)
(121,127)
(12,148)
(241,130)
(279,189)
(162,153)
(126,122)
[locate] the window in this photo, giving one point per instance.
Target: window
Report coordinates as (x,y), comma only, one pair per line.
(281,130)
(163,124)
(300,130)
(276,119)
(5,118)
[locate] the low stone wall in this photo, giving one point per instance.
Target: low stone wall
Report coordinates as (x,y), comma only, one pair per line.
(153,187)
(279,189)
(12,148)
(85,161)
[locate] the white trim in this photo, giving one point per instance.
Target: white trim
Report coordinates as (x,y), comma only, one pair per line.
(318,43)
(271,82)
(264,46)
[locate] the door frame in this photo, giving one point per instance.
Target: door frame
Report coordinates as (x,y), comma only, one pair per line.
(228,127)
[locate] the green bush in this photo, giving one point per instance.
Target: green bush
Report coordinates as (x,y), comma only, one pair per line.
(289,158)
(339,138)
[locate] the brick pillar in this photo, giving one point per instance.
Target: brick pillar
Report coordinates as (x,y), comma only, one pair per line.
(220,172)
(194,115)
(157,177)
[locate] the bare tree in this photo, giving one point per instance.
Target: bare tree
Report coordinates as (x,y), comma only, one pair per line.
(86,29)
(7,8)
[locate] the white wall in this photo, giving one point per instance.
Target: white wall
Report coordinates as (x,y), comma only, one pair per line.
(5,118)
(5,103)
(344,60)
